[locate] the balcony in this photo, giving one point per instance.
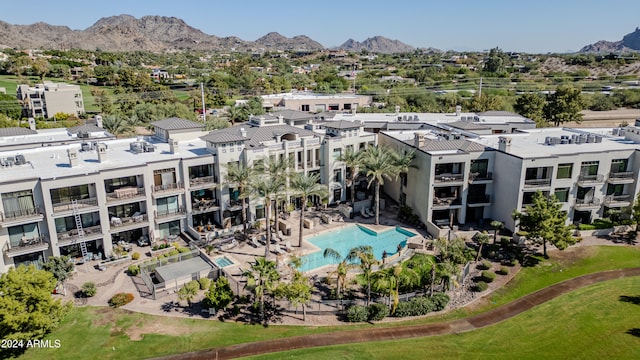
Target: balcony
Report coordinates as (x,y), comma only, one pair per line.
(617,200)
(449,178)
(168,215)
(478,200)
(205,206)
(131,222)
(125,194)
(537,183)
(590,179)
(80,204)
(70,237)
(313,164)
(625,177)
(204,181)
(233,205)
(480,177)
(26,246)
(446,202)
(161,190)
(581,204)
(21,215)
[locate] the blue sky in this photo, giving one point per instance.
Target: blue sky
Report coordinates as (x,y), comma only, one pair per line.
(536,26)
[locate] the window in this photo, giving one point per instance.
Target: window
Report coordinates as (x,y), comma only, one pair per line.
(337,175)
(334,107)
(347,106)
(19,202)
(304,107)
(589,168)
(260,212)
(403,179)
(562,194)
(337,152)
(564,171)
(615,189)
(168,205)
(479,167)
(619,165)
(66,194)
(26,231)
(164,177)
(113,184)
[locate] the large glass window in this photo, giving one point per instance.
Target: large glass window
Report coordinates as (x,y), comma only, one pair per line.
(112,184)
(18,202)
(125,210)
(479,167)
(26,231)
(619,165)
(200,171)
(68,223)
(168,205)
(564,171)
(562,194)
(66,194)
(164,176)
(589,168)
(169,228)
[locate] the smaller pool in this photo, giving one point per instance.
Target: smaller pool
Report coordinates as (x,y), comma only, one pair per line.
(223,261)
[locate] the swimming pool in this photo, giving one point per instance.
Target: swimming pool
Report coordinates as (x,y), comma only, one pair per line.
(223,261)
(349,237)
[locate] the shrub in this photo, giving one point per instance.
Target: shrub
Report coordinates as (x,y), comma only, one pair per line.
(357,313)
(173,252)
(135,256)
(480,286)
(485,265)
(404,309)
(505,241)
(513,262)
(204,283)
(89,289)
(503,271)
(487,276)
(183,250)
(440,301)
(422,305)
(120,299)
(175,244)
(134,270)
(377,311)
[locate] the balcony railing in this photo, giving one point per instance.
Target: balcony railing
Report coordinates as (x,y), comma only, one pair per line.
(167,187)
(66,237)
(20,214)
(591,178)
(124,221)
(233,203)
(617,200)
(586,203)
(168,213)
(125,193)
(480,176)
(537,183)
(68,206)
(446,201)
(479,199)
(204,180)
(25,245)
(202,206)
(626,176)
(449,178)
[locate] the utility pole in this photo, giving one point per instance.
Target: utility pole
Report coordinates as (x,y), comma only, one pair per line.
(480,92)
(204,110)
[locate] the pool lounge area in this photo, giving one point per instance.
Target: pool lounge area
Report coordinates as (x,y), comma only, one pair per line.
(344,239)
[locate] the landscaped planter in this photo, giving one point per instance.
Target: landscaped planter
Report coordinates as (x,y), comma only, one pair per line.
(154,253)
(116,261)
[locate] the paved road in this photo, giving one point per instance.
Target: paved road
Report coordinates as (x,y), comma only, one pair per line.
(403,332)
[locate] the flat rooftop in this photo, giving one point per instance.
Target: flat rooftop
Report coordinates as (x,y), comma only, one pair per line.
(183,269)
(309,96)
(50,162)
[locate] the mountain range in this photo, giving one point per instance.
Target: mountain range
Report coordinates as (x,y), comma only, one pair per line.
(162,33)
(629,43)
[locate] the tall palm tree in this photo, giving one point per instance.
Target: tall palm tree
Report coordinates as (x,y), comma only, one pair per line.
(267,187)
(392,278)
(305,186)
(261,279)
(237,113)
(367,262)
(379,164)
(341,270)
(352,160)
(278,167)
(116,125)
(240,175)
(404,162)
(425,266)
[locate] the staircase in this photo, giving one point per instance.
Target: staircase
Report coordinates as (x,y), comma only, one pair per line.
(76,215)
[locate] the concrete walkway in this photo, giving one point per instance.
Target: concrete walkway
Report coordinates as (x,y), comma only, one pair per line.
(403,332)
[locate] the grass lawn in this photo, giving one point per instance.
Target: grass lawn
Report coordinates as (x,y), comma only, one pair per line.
(95,332)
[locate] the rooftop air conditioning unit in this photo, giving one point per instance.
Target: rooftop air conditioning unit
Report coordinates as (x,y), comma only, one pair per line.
(20,160)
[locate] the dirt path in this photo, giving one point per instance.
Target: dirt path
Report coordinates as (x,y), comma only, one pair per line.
(450,327)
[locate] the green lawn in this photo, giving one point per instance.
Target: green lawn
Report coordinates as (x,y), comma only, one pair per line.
(95,332)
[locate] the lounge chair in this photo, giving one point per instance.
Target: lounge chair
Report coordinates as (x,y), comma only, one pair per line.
(263,240)
(364,213)
(287,246)
(277,250)
(254,242)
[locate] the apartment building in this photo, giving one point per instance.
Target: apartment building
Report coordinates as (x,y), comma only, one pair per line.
(49,98)
(311,102)
(472,179)
(100,191)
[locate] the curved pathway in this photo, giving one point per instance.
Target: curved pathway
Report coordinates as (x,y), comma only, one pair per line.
(403,332)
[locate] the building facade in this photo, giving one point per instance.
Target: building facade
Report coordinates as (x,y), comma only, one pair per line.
(47,99)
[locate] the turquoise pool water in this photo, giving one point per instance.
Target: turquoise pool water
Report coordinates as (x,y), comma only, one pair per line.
(223,261)
(349,237)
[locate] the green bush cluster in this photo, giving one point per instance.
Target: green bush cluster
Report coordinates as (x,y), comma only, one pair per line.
(204,283)
(89,289)
(135,256)
(173,252)
(377,311)
(488,276)
(422,305)
(134,270)
(183,250)
(485,265)
(480,286)
(503,271)
(120,299)
(160,246)
(357,313)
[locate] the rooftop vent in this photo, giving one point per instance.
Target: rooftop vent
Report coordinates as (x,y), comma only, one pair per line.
(20,160)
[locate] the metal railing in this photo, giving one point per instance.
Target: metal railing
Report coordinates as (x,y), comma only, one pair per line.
(445,201)
(479,199)
(167,187)
(201,206)
(124,221)
(167,213)
(449,178)
(617,200)
(537,182)
(119,195)
(66,236)
(480,176)
(21,213)
(625,175)
(583,203)
(68,206)
(203,180)
(590,178)
(26,244)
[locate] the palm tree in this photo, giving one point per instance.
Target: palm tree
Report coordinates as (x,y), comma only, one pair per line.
(305,186)
(481,238)
(298,292)
(261,279)
(497,226)
(188,292)
(367,262)
(404,162)
(425,266)
(267,187)
(237,113)
(240,175)
(379,164)
(352,160)
(341,271)
(392,278)
(116,125)
(447,272)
